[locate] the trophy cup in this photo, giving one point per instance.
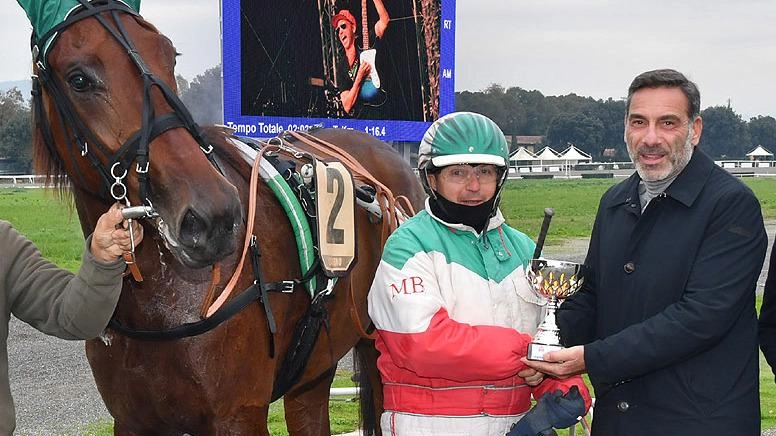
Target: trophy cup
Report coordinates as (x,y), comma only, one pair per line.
(555,280)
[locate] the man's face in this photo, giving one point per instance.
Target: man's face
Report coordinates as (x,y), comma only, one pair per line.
(345,32)
(659,135)
(465,184)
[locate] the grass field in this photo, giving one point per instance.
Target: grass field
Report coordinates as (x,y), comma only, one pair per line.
(54,227)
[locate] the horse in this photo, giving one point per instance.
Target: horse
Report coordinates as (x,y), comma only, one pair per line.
(107,116)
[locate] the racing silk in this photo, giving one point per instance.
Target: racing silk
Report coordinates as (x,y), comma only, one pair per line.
(454,314)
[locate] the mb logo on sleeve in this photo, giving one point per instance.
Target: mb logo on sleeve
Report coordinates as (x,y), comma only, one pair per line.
(408,286)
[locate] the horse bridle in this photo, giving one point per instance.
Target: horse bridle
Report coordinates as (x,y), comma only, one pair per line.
(136,148)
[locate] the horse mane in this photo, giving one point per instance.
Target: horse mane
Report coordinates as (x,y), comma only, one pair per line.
(45,161)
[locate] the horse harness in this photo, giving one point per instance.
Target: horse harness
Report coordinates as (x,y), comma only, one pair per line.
(377,202)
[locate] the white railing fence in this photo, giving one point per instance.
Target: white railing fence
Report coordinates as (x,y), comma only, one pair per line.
(18,180)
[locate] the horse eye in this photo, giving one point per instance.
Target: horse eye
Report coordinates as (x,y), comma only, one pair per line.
(79,82)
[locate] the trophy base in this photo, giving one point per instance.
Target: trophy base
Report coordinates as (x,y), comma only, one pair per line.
(536,351)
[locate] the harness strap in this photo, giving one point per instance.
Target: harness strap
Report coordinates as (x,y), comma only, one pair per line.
(215,279)
(297,216)
(241,301)
(258,278)
(392,215)
(254,184)
(357,319)
(258,291)
(305,336)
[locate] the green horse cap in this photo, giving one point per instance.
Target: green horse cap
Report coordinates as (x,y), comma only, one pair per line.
(463,138)
(45,14)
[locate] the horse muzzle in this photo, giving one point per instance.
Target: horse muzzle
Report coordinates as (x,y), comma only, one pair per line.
(204,236)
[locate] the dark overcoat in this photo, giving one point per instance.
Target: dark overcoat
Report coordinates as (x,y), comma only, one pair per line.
(767,320)
(667,313)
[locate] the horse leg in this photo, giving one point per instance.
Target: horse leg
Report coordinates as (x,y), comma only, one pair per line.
(371,387)
(307,407)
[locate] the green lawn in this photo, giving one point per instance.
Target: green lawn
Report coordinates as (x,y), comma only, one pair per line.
(54,227)
(51,223)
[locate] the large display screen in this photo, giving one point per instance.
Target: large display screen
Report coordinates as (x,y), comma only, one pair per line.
(385,67)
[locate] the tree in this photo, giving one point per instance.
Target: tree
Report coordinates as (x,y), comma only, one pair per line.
(762,131)
(612,114)
(596,125)
(577,128)
(15,131)
(203,96)
(537,112)
(724,133)
(183,84)
(494,103)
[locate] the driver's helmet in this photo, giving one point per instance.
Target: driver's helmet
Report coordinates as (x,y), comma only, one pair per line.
(462,138)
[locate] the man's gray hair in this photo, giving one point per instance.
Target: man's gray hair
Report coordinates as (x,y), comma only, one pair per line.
(672,79)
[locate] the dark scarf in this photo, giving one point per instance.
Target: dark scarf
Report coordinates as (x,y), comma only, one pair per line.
(476,217)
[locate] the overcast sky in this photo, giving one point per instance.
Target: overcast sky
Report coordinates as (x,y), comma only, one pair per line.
(588,47)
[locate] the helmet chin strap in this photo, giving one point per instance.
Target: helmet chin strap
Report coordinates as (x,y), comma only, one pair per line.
(476,217)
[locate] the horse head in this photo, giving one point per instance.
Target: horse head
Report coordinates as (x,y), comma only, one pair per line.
(107,115)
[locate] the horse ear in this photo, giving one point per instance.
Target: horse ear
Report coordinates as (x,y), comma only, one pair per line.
(44,15)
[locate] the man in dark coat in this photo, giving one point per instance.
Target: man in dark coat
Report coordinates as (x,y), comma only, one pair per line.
(665,324)
(767,322)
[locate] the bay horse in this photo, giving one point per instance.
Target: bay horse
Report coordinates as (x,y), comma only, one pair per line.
(107,116)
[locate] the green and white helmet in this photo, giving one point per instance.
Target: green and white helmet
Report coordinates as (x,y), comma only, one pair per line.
(462,138)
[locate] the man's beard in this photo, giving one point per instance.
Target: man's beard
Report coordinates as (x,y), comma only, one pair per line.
(676,162)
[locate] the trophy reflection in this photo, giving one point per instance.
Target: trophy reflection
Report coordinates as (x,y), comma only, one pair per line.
(554,280)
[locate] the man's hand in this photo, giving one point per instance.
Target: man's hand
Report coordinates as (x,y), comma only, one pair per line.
(532,377)
(363,71)
(111,235)
(560,364)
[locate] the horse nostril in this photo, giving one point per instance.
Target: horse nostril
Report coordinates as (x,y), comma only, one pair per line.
(192,230)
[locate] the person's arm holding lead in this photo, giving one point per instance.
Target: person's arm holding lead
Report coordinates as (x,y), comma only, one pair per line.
(58,302)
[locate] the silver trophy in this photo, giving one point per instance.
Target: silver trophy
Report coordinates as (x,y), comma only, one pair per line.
(554,280)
